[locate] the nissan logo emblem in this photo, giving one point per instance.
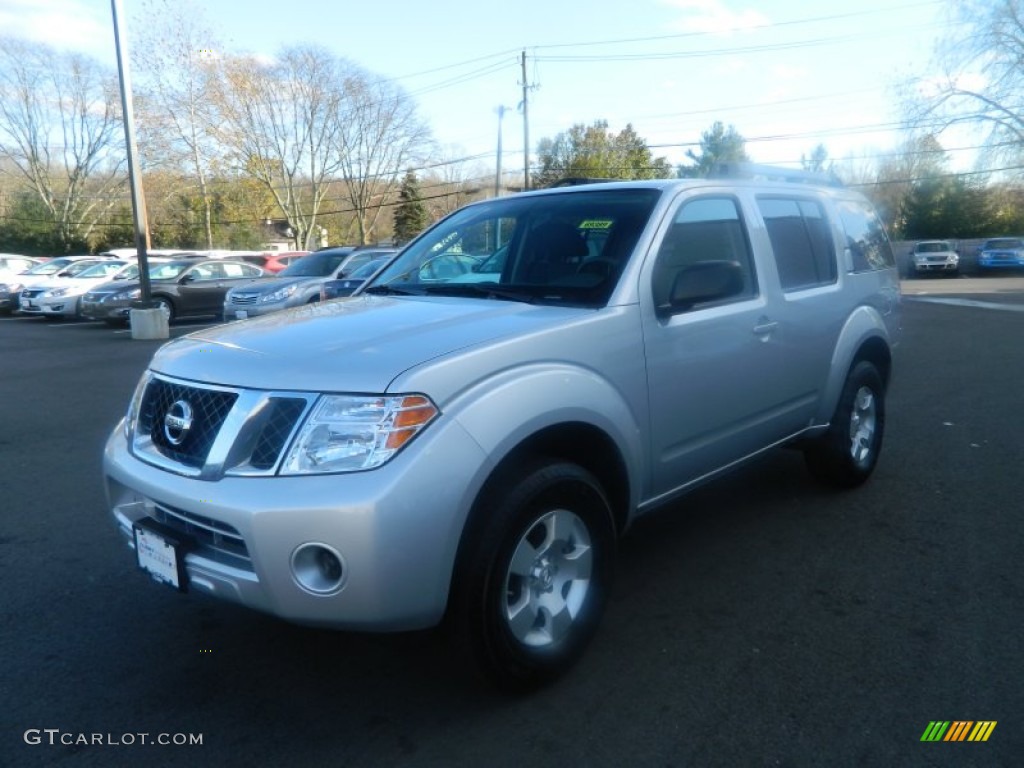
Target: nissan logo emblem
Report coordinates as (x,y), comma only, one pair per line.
(178,422)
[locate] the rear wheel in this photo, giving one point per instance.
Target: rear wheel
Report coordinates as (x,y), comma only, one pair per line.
(534,580)
(846,455)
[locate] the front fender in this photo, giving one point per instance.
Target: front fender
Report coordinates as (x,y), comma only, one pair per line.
(504,410)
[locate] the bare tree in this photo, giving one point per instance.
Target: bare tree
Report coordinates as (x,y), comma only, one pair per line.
(176,55)
(382,137)
(60,127)
(982,65)
(282,126)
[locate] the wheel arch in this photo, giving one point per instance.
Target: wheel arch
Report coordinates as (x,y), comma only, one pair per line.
(576,442)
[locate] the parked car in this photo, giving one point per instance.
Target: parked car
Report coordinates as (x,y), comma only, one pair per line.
(11,264)
(276,262)
(934,256)
(451,449)
(299,283)
(58,267)
(180,287)
(346,286)
(1001,253)
(59,297)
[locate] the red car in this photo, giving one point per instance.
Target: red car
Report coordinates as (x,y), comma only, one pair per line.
(277,261)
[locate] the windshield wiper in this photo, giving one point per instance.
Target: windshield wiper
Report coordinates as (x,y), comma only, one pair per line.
(391,290)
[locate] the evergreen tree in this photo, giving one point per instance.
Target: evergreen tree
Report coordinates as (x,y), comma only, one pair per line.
(717,145)
(410,214)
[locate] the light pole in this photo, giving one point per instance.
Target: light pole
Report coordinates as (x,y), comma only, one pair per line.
(497,174)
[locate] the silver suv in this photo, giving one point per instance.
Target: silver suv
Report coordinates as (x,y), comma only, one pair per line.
(466,437)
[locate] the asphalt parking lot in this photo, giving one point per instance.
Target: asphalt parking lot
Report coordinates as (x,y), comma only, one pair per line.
(763,620)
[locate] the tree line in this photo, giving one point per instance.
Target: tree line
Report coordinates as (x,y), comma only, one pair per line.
(322,150)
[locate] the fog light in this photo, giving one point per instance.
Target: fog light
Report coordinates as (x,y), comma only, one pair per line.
(318,568)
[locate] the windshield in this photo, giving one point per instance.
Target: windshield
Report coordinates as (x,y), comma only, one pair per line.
(560,248)
(315,264)
(103,269)
(48,267)
(368,269)
(1006,243)
(938,247)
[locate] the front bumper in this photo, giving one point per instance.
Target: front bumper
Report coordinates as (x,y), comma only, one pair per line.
(234,311)
(396,529)
(937,266)
(105,310)
(1001,262)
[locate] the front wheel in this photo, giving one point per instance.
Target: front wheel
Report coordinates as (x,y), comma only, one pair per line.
(536,575)
(165,306)
(846,455)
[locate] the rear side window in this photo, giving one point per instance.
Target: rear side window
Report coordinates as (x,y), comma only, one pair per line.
(865,237)
(801,241)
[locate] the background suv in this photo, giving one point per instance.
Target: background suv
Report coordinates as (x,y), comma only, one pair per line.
(934,256)
(299,283)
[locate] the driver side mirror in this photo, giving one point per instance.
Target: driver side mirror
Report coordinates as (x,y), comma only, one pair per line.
(703,282)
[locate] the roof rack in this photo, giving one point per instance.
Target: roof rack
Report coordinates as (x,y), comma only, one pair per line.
(772,173)
(572,181)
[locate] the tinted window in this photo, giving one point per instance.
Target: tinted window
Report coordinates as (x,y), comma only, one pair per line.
(801,241)
(865,237)
(560,248)
(703,230)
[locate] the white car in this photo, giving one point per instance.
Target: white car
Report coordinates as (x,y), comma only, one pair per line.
(12,264)
(29,286)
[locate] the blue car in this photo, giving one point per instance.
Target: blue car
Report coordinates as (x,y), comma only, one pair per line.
(1000,253)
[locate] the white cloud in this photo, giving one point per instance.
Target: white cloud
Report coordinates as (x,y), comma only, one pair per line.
(712,16)
(67,25)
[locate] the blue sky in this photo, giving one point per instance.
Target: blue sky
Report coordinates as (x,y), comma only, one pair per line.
(786,74)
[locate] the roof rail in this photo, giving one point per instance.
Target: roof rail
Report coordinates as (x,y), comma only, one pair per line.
(572,181)
(772,173)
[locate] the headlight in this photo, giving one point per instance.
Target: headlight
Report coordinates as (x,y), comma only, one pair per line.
(134,293)
(133,407)
(280,294)
(347,433)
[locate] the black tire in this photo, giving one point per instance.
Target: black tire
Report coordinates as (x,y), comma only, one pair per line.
(543,539)
(846,455)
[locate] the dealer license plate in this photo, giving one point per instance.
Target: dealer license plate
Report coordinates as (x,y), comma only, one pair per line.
(160,556)
(241,314)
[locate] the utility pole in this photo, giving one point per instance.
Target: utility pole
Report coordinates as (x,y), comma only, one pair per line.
(526,128)
(497,175)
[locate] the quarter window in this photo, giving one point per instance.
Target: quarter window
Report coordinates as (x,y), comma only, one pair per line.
(801,241)
(865,237)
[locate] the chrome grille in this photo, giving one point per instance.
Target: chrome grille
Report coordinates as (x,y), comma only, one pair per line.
(209,407)
(243,299)
(215,540)
(284,413)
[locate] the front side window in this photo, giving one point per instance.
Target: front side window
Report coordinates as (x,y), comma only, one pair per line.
(567,248)
(801,241)
(704,231)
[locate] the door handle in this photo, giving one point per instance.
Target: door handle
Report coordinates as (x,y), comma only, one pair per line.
(765,326)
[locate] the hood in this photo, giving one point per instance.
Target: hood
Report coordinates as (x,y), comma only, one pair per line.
(350,345)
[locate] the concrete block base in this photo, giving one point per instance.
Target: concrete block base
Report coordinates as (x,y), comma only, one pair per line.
(148,323)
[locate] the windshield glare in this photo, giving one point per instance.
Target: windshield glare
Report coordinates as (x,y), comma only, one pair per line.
(102,270)
(568,248)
